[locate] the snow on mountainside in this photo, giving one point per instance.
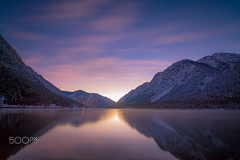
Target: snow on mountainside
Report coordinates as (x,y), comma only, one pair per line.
(227,85)
(10,58)
(161,94)
(187,80)
(91,100)
(221,61)
(20,85)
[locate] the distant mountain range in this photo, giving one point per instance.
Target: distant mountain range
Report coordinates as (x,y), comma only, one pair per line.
(206,83)
(210,81)
(20,85)
(91,100)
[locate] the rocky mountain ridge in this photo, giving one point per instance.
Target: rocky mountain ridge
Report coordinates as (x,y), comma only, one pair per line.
(191,81)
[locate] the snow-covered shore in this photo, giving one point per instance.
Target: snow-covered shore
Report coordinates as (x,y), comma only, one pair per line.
(51,106)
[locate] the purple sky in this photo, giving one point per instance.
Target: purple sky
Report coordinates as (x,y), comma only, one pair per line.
(111,47)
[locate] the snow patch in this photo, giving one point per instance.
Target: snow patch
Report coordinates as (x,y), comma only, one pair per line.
(159,95)
(133,102)
(51,106)
(205,81)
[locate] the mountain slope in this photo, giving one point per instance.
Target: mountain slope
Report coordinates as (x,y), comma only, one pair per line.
(221,61)
(191,81)
(20,85)
(91,100)
(225,86)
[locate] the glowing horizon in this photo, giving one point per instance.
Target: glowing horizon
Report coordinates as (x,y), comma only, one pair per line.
(110,47)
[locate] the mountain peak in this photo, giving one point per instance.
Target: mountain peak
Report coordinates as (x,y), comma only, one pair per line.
(186,79)
(221,60)
(227,57)
(223,54)
(20,85)
(183,61)
(91,100)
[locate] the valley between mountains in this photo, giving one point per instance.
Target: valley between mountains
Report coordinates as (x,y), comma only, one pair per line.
(210,82)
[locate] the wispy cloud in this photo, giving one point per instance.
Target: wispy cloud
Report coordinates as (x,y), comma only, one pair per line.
(103,44)
(69,10)
(110,24)
(109,68)
(25,35)
(176,38)
(32,60)
(103,75)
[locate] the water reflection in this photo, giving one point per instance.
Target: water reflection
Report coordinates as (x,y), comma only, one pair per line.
(121,134)
(196,134)
(29,123)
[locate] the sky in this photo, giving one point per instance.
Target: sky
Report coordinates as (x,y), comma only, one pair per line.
(111,47)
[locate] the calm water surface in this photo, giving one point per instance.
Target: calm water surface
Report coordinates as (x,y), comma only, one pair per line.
(121,134)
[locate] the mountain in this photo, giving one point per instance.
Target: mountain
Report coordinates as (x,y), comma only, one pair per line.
(210,79)
(91,100)
(227,85)
(21,85)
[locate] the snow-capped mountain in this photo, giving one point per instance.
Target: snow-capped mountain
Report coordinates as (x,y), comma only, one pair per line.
(20,85)
(189,80)
(221,61)
(91,100)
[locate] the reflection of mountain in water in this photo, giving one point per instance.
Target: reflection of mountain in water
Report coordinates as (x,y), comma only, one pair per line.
(186,134)
(189,134)
(34,123)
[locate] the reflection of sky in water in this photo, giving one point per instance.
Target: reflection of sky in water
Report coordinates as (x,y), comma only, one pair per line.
(108,138)
(121,134)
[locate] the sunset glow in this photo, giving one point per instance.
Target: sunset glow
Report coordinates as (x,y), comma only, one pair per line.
(111,47)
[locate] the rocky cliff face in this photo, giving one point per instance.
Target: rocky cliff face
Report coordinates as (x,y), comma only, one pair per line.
(20,85)
(189,80)
(91,100)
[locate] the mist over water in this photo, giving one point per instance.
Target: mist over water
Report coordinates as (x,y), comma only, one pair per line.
(121,134)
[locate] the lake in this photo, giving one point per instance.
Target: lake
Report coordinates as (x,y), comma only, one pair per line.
(119,134)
